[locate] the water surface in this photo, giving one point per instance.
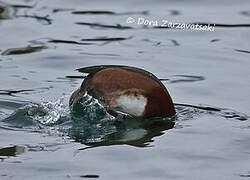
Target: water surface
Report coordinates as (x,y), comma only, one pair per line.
(206,73)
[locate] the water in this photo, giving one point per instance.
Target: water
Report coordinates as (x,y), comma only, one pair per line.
(206,73)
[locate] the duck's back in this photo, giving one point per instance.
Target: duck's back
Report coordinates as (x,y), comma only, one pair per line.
(130,90)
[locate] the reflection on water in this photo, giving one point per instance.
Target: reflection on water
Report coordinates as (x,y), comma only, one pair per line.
(104,26)
(243,51)
(23,50)
(138,136)
(93,126)
(89,123)
(11,151)
(109,13)
(245,13)
(90,176)
(68,42)
(4,12)
(43,19)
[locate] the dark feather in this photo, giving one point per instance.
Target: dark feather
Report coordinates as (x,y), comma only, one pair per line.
(94,69)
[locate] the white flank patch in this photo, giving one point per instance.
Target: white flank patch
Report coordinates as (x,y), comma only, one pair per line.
(131,104)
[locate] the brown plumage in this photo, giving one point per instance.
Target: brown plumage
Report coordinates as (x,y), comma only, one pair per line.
(121,86)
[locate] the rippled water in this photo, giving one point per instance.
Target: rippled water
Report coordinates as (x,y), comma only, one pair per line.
(206,72)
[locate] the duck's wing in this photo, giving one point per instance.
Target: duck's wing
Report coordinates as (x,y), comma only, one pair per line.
(95,69)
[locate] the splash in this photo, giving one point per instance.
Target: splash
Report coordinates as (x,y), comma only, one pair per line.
(36,116)
(88,122)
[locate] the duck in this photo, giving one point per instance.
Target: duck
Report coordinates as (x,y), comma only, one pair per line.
(125,90)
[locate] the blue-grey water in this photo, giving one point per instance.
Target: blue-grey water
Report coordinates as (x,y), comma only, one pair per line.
(206,72)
